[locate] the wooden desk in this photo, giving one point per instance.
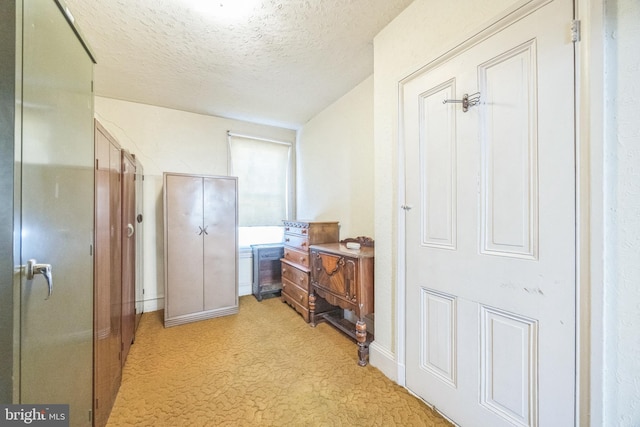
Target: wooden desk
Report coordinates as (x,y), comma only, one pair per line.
(344,278)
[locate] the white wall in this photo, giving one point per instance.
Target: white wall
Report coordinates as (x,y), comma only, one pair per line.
(622,214)
(334,159)
(423,31)
(168,140)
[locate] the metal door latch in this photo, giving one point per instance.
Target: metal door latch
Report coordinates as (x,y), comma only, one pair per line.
(45,269)
(467,101)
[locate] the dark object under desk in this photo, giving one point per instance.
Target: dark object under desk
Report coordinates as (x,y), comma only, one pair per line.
(267,275)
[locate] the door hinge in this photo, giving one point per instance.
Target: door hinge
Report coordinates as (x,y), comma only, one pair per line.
(575,30)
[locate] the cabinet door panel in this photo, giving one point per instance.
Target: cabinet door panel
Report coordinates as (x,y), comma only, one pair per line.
(184,210)
(220,243)
(329,273)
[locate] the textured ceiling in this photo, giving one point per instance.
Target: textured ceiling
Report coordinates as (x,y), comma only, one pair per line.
(276,62)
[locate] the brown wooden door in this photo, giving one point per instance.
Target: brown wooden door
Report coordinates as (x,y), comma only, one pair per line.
(107,272)
(128,252)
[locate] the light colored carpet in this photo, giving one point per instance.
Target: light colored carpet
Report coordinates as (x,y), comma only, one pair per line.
(262,367)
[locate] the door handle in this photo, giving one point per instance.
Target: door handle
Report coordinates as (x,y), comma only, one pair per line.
(130,230)
(45,269)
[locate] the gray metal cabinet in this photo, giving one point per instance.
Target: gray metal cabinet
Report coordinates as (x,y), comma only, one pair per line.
(46,209)
(201,247)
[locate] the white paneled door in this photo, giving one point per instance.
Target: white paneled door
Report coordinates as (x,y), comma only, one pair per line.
(490,238)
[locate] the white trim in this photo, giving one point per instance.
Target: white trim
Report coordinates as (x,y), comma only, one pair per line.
(401,285)
(590,61)
(153,304)
(385,361)
(245,287)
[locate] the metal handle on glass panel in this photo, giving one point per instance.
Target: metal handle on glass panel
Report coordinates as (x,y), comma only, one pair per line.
(45,269)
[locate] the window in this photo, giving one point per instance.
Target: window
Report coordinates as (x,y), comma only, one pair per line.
(263,168)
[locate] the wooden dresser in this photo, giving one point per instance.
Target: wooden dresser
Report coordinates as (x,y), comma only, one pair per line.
(298,236)
(344,278)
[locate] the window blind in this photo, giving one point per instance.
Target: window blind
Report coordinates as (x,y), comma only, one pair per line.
(262,168)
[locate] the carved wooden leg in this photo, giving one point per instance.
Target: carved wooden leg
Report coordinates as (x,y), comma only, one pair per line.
(312,308)
(363,345)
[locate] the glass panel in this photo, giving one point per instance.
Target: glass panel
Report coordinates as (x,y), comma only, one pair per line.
(57,213)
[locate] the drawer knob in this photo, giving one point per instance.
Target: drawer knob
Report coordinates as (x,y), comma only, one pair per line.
(287,239)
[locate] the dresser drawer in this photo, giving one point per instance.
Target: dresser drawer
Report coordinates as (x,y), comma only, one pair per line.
(296,256)
(292,229)
(296,276)
(295,293)
(298,242)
